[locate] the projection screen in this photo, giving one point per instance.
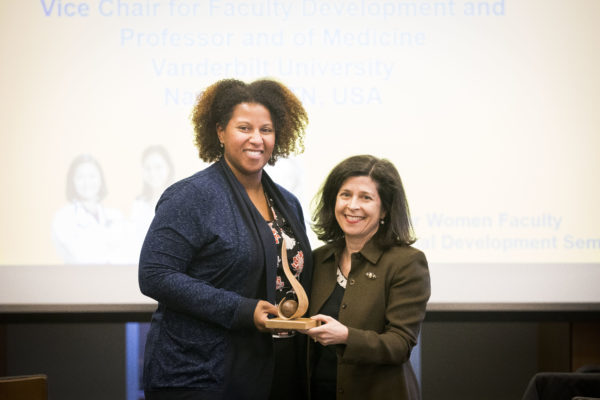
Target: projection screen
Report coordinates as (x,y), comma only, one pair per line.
(489,110)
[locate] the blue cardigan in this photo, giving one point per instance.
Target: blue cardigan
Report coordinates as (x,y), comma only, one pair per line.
(207,259)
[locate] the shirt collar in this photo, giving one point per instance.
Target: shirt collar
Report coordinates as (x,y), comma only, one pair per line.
(371,251)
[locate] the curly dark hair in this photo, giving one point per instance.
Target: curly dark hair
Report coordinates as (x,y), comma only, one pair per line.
(397,228)
(214,107)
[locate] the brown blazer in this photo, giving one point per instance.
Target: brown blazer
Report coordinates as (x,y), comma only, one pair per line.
(383,308)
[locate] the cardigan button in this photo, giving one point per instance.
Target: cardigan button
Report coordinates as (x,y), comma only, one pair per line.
(344,305)
(351,281)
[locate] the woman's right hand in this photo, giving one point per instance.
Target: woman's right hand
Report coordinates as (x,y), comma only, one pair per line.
(261,314)
(330,331)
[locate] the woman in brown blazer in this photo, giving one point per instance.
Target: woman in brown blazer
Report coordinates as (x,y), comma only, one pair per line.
(370,287)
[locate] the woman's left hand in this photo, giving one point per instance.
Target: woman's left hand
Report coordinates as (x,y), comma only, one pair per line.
(331,331)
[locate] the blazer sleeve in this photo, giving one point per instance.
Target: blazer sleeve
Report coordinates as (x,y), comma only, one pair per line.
(408,293)
(175,233)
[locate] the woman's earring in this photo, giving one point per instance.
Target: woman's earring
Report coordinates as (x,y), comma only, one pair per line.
(381,221)
(221,144)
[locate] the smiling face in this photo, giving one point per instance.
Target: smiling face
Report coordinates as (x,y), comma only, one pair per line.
(248,139)
(358,208)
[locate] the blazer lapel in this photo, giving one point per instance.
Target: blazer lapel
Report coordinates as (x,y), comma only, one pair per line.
(324,281)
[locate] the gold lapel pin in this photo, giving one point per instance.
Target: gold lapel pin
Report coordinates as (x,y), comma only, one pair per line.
(370,275)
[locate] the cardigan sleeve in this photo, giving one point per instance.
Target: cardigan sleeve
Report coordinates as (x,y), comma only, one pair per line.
(169,248)
(408,293)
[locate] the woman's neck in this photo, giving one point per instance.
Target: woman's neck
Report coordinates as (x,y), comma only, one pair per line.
(253,185)
(354,245)
(258,197)
(256,193)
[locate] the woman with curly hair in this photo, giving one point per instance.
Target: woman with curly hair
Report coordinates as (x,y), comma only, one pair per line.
(211,255)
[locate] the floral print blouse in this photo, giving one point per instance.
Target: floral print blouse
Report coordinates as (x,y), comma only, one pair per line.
(282,230)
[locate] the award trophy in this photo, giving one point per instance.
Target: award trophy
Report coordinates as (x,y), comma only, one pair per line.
(290,311)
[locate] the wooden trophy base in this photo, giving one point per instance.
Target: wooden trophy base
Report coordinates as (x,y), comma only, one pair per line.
(291,324)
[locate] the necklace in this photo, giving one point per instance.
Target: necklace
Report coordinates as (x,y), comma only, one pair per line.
(270,206)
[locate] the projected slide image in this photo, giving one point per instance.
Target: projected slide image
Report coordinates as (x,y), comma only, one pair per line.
(85,231)
(487,108)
